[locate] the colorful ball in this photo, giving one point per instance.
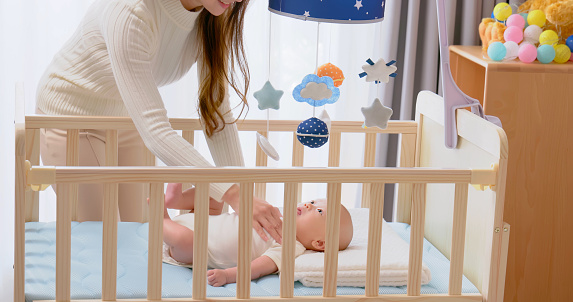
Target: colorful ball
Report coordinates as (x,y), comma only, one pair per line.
(496,51)
(569,42)
(527,53)
(513,33)
(562,53)
(545,54)
(312,133)
(512,50)
(502,11)
(548,37)
(531,34)
(536,17)
(524,15)
(516,20)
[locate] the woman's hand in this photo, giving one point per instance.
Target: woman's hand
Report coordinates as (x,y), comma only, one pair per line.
(265,216)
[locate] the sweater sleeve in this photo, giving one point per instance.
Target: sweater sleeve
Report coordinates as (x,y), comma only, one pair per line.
(131,40)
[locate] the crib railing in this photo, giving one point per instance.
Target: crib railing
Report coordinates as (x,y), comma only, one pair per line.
(33,123)
(66,177)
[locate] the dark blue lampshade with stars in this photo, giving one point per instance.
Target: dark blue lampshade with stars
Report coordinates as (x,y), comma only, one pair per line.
(331,11)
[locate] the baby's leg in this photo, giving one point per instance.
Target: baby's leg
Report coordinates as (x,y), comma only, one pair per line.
(179,239)
(175,198)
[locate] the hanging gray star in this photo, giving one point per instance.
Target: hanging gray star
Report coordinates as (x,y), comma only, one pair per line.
(268,97)
(377,115)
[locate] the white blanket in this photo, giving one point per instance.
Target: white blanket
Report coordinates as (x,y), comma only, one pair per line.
(309,266)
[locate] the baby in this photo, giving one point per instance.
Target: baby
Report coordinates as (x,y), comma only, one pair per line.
(223,238)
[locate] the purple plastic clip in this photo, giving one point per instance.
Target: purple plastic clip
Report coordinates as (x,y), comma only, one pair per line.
(454,98)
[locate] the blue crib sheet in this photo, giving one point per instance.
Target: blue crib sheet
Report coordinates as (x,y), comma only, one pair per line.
(177,281)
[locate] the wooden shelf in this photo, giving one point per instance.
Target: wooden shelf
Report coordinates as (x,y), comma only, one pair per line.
(535,104)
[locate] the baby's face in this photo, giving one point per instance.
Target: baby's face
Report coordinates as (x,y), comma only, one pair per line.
(311,218)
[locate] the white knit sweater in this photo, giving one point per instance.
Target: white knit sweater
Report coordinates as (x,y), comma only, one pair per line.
(114,62)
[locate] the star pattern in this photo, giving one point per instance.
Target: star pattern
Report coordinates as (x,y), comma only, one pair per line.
(376,115)
(306,14)
(358,4)
(379,72)
(268,97)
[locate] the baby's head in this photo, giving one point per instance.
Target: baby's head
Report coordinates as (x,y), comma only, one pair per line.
(311,225)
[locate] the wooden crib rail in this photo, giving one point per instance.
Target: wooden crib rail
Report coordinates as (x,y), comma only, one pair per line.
(188,126)
(202,177)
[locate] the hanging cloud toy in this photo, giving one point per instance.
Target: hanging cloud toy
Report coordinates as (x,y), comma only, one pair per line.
(379,71)
(316,91)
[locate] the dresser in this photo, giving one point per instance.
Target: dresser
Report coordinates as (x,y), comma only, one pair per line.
(535,104)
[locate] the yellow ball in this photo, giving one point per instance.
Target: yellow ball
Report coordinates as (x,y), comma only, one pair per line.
(502,11)
(562,53)
(536,17)
(548,37)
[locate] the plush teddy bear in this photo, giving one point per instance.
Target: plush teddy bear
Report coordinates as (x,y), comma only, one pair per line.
(559,14)
(490,31)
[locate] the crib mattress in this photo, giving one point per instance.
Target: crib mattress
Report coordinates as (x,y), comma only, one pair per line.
(177,281)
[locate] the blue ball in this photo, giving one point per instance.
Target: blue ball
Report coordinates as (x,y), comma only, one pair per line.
(545,53)
(569,42)
(524,15)
(312,133)
(496,51)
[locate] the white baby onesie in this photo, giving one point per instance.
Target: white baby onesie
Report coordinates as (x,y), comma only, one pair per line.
(223,242)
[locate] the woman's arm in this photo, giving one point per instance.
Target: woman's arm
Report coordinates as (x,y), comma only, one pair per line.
(131,41)
(260,267)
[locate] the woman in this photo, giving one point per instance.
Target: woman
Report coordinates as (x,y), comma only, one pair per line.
(112,65)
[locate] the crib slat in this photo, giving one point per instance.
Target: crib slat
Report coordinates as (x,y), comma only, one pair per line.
(333,195)
(369,161)
(155,245)
(407,159)
(458,239)
(188,135)
(297,161)
(33,155)
(416,240)
(334,149)
(63,241)
(110,218)
(73,159)
(19,198)
(261,161)
(149,161)
(245,241)
(201,227)
(374,240)
(289,237)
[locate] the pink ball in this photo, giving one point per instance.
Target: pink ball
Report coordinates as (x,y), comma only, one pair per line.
(513,33)
(516,20)
(527,53)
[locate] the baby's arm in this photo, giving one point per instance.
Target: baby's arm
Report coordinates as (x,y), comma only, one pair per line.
(261,266)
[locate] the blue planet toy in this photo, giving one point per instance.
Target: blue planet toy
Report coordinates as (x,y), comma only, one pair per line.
(312,132)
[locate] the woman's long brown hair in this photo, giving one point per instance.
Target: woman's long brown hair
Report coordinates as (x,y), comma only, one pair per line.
(222,50)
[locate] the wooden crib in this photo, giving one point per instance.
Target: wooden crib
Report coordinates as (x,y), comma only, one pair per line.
(453,198)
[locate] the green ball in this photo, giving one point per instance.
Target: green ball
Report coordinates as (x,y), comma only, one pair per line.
(496,51)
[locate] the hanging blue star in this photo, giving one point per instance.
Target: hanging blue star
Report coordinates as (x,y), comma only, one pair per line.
(268,97)
(377,115)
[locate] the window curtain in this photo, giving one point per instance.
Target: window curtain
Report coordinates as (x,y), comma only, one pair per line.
(279,49)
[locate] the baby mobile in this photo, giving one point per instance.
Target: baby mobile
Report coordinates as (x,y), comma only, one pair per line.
(321,88)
